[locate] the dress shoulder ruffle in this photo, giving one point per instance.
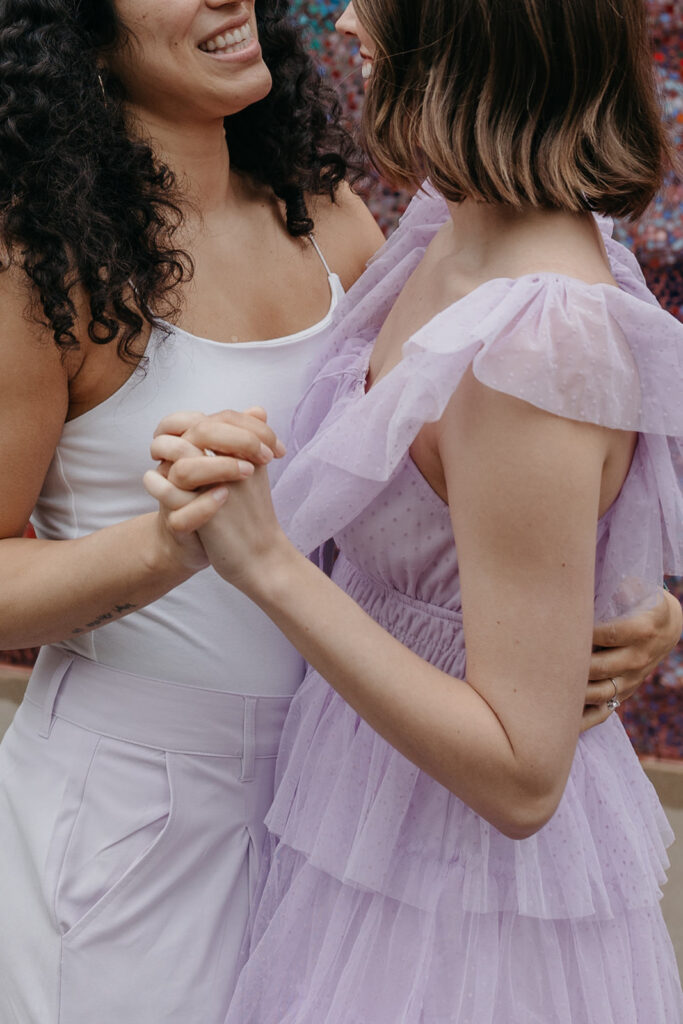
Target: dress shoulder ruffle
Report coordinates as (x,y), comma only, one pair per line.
(594,353)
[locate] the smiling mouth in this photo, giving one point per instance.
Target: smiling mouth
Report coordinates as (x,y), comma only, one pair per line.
(229,42)
(366,66)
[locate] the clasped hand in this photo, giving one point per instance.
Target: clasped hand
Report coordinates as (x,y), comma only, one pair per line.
(212,480)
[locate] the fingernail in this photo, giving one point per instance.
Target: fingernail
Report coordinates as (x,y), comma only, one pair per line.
(219,494)
(245,468)
(266,453)
(280,449)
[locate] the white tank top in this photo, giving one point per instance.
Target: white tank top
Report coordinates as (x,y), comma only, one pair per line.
(203,633)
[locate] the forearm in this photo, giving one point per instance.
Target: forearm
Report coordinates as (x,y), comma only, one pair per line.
(437,721)
(52,590)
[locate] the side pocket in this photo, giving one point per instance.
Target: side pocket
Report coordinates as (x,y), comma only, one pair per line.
(124,810)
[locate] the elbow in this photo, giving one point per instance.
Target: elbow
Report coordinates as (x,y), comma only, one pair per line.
(522,826)
(527,812)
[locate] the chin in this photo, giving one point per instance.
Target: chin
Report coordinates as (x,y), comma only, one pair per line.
(256,85)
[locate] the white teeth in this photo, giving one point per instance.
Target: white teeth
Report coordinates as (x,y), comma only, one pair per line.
(229,42)
(366,69)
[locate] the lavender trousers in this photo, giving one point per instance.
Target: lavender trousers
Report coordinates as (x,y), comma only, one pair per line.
(131,824)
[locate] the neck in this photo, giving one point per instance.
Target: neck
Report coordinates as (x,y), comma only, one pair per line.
(197,153)
(489,233)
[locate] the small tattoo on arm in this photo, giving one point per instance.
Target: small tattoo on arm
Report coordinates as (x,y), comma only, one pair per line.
(118,609)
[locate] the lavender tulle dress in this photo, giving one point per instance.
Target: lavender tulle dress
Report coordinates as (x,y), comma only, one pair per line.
(388,900)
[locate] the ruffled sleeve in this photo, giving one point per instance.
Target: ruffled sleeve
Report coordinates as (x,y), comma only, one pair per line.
(593,353)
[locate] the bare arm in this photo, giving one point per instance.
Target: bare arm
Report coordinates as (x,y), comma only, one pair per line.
(503,739)
(50,590)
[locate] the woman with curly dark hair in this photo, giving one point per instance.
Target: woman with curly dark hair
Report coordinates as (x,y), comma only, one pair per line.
(147,265)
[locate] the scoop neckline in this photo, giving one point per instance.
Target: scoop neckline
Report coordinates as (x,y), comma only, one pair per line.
(286,339)
(335,297)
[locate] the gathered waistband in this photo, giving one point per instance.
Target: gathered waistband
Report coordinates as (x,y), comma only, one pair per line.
(154,713)
(433,632)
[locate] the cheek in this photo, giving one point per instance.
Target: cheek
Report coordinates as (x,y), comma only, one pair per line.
(366,41)
(157,20)
(159,33)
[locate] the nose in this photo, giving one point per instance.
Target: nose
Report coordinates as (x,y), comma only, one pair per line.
(347,24)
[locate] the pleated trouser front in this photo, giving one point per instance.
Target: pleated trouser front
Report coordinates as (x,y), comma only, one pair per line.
(131,825)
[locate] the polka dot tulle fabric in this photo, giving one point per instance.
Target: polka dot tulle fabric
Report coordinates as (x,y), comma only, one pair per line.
(389,899)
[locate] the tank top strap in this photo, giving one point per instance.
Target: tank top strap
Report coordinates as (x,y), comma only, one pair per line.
(320,254)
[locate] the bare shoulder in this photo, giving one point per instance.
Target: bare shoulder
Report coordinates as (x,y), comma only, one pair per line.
(346,232)
(34,389)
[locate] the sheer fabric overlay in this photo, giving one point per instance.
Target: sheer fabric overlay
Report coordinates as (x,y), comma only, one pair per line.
(389,901)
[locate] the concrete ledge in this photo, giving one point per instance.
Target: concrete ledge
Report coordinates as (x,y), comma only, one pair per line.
(13,680)
(667,778)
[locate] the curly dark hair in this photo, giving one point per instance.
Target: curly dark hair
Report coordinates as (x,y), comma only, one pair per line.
(83,203)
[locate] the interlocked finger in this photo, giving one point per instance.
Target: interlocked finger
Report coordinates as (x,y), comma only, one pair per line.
(169,448)
(193,473)
(178,422)
(232,439)
(199,511)
(167,494)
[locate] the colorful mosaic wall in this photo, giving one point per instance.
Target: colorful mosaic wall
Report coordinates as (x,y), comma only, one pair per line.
(654,717)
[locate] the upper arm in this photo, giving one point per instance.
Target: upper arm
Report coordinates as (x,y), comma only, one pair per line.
(33,403)
(347,233)
(524,489)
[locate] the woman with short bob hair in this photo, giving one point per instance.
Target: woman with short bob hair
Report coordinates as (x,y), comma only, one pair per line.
(497,417)
(529,104)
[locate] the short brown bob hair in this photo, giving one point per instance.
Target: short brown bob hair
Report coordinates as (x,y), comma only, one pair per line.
(548,103)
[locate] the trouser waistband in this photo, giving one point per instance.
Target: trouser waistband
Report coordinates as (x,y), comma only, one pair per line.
(154,713)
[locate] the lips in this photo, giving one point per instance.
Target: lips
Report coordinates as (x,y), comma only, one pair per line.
(229,40)
(367,65)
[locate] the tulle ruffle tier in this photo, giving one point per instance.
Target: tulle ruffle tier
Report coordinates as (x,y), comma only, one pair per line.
(325,952)
(359,811)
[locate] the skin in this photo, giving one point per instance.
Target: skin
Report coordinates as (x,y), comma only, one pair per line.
(237,237)
(530,488)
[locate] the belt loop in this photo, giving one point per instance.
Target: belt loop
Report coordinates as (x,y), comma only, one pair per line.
(249,740)
(51,694)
